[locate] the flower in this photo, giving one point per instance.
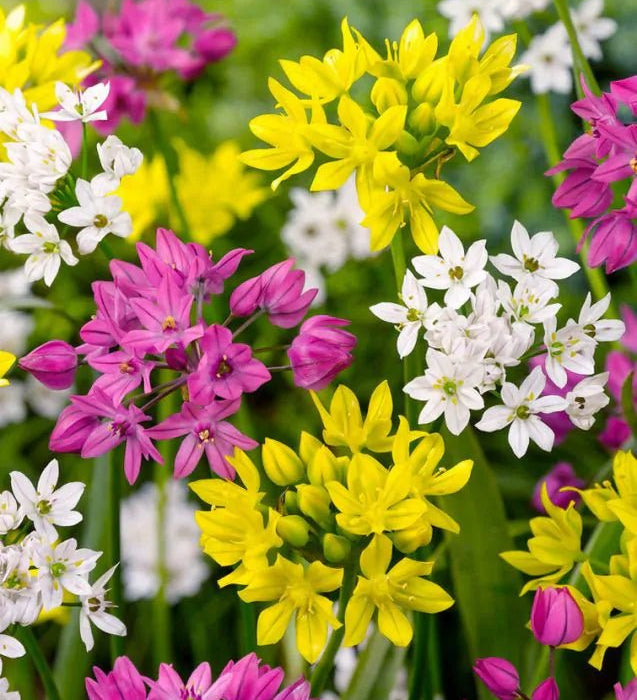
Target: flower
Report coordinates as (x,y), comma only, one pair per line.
(499,675)
(586,399)
(53,364)
(555,617)
(561,475)
(571,348)
(124,682)
(591,27)
(550,60)
(4,691)
(519,409)
(546,690)
(460,12)
(6,362)
(80,105)
(94,607)
(628,692)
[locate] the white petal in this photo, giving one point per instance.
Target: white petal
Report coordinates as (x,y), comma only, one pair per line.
(456,416)
(390,312)
(519,437)
(48,479)
(495,418)
(540,433)
(407,339)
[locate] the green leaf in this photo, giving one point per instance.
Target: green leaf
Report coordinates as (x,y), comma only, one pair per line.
(628,403)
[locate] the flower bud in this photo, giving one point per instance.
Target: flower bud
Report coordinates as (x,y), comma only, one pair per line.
(388,92)
(293,529)
(627,693)
(291,501)
(324,467)
(407,145)
(336,548)
(547,690)
(430,84)
(410,538)
(281,463)
(53,364)
(555,617)
(499,675)
(422,119)
(314,501)
(308,447)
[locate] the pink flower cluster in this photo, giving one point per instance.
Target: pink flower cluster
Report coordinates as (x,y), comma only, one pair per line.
(597,161)
(245,679)
(152,317)
(145,40)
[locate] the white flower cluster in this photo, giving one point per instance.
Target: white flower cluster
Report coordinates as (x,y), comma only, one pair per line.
(494,14)
(36,183)
(37,568)
(486,327)
(15,328)
(141,531)
(322,232)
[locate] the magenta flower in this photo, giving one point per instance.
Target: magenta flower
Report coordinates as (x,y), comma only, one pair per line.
(626,91)
(499,675)
(621,163)
(122,372)
(226,369)
(627,693)
(72,429)
(562,474)
(547,690)
(629,339)
(555,617)
(615,433)
(320,351)
(205,432)
(124,682)
(169,685)
(54,364)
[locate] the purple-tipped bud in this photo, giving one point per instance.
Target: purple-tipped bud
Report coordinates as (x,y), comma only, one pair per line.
(547,690)
(627,693)
(499,675)
(53,364)
(556,618)
(320,351)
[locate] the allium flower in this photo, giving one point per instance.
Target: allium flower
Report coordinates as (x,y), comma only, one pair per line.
(54,364)
(591,27)
(460,12)
(499,675)
(79,105)
(550,60)
(556,618)
(570,348)
(124,682)
(586,399)
(94,609)
(562,474)
(628,692)
(546,690)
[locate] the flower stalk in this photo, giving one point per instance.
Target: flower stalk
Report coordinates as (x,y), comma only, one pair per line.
(37,657)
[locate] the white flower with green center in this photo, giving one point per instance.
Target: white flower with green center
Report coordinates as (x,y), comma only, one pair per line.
(94,609)
(452,269)
(408,317)
(599,329)
(519,410)
(11,514)
(79,105)
(449,388)
(529,302)
(569,348)
(586,399)
(44,248)
(117,161)
(45,506)
(591,27)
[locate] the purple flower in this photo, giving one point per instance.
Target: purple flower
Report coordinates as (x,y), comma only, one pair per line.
(71,430)
(615,433)
(122,372)
(320,351)
(53,364)
(629,339)
(169,685)
(124,682)
(562,474)
(626,91)
(556,618)
(619,366)
(627,693)
(85,26)
(499,675)
(547,690)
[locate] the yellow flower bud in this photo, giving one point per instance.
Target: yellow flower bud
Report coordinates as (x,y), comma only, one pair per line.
(430,84)
(293,529)
(417,535)
(314,501)
(291,501)
(281,463)
(422,119)
(336,548)
(308,446)
(388,92)
(407,144)
(325,467)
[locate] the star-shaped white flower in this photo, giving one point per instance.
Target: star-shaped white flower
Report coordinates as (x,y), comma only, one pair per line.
(586,399)
(117,161)
(569,348)
(94,607)
(591,27)
(519,409)
(591,321)
(529,302)
(46,506)
(452,269)
(79,105)
(11,514)
(549,58)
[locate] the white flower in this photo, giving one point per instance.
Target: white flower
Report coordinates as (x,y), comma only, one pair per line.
(519,9)
(460,12)
(13,112)
(452,269)
(603,330)
(10,514)
(13,408)
(591,27)
(79,104)
(97,215)
(569,348)
(117,161)
(5,694)
(94,607)
(63,567)
(447,387)
(9,217)
(346,217)
(46,506)
(408,317)
(45,249)
(586,399)
(529,302)
(10,647)
(534,256)
(549,58)
(519,411)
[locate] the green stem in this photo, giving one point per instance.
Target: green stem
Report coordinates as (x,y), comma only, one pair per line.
(35,653)
(117,643)
(170,160)
(248,629)
(580,62)
(324,667)
(398,259)
(84,151)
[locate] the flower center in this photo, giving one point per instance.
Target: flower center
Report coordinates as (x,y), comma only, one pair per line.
(189,694)
(57,569)
(44,507)
(449,387)
(49,247)
(100,221)
(522,412)
(169,324)
(633,164)
(456,273)
(589,329)
(556,348)
(531,264)
(413,315)
(125,368)
(223,367)
(205,437)
(581,402)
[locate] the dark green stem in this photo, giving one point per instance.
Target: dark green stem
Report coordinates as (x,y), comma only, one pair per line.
(117,643)
(248,628)
(580,62)
(35,654)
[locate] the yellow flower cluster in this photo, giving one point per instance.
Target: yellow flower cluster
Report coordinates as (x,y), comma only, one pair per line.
(214,190)
(555,549)
(420,110)
(339,519)
(6,361)
(32,59)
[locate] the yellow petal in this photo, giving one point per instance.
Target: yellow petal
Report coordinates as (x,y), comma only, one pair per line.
(393,623)
(358,615)
(273,622)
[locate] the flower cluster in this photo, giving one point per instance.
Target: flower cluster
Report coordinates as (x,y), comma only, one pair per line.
(38,569)
(152,318)
(340,514)
(424,110)
(485,327)
(493,14)
(142,43)
(245,679)
(556,548)
(602,164)
(322,232)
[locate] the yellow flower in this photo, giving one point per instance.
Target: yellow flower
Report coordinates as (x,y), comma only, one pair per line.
(410,57)
(296,590)
(554,548)
(6,361)
(214,190)
(390,592)
(146,195)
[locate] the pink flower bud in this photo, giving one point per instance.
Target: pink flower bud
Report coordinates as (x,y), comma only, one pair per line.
(627,693)
(320,351)
(214,44)
(555,617)
(547,690)
(53,364)
(499,675)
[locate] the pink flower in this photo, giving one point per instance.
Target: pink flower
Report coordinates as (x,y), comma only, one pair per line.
(562,474)
(619,366)
(626,91)
(627,693)
(320,351)
(555,617)
(629,339)
(54,364)
(547,690)
(85,26)
(124,682)
(226,369)
(122,372)
(499,675)
(615,433)
(169,686)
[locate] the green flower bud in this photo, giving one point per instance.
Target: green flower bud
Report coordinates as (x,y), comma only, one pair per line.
(407,144)
(291,501)
(388,92)
(336,548)
(422,119)
(314,501)
(430,83)
(281,463)
(294,529)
